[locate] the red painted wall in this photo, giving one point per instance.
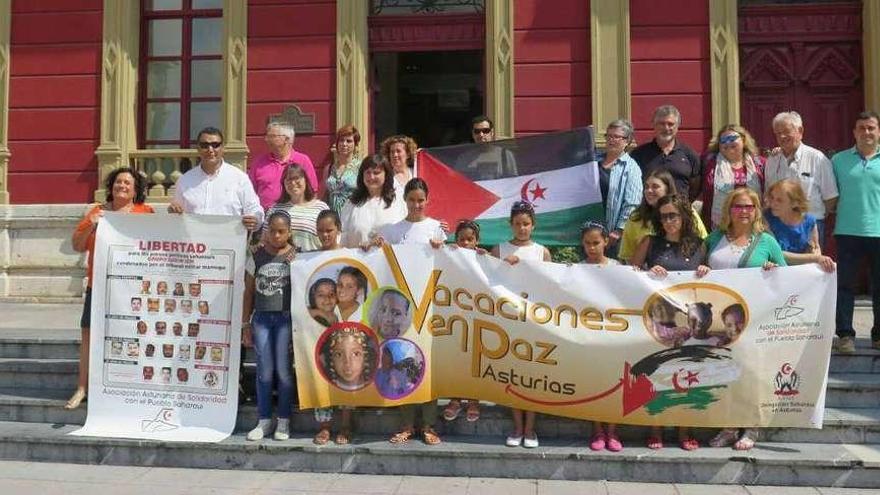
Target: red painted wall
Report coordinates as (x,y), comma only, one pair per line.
(54,100)
(551,65)
(670,64)
(292,59)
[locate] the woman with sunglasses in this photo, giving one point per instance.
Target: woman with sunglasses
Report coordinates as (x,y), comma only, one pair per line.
(741,241)
(732,161)
(620,181)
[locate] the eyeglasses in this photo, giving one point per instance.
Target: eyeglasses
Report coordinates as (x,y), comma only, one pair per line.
(614,137)
(210,144)
(294,178)
(669,217)
(275,135)
(742,207)
(729,139)
(481,130)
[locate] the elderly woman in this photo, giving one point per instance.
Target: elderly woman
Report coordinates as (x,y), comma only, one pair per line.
(401,152)
(298,200)
(732,160)
(341,178)
(620,180)
(266,170)
(374,203)
(125,194)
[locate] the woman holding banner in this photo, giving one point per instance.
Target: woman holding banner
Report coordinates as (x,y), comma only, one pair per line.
(374,203)
(125,194)
(741,241)
(620,181)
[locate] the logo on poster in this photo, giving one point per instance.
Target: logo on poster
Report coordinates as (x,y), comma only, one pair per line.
(162,422)
(788,309)
(787,381)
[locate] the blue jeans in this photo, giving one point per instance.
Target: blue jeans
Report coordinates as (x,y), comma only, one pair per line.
(851,250)
(272,343)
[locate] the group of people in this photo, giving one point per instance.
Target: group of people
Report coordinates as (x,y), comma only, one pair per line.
(650,223)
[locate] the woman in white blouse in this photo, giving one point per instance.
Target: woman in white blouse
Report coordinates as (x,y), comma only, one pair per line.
(373,204)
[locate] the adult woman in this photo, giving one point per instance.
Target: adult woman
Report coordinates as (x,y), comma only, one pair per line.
(741,241)
(676,246)
(341,178)
(620,180)
(298,200)
(732,161)
(658,183)
(401,152)
(374,203)
(125,194)
(794,229)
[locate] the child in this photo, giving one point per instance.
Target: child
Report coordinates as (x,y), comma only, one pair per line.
(390,315)
(594,241)
(267,296)
(322,301)
(416,228)
(351,289)
(467,236)
(329,227)
(521,247)
(349,358)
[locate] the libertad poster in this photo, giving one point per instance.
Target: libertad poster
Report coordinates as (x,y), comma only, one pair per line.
(735,348)
(166,327)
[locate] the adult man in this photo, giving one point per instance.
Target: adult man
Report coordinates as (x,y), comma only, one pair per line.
(803,163)
(665,152)
(488,162)
(216,187)
(265,171)
(857,230)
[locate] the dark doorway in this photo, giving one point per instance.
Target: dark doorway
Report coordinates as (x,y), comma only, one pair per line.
(430,96)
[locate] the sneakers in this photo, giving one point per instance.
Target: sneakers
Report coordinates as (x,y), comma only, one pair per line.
(846,345)
(282,431)
(263,428)
(513,441)
(530,443)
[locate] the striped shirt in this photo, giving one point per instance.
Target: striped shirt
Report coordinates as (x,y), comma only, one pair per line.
(303,217)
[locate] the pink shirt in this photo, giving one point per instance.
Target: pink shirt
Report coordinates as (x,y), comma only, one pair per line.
(265,174)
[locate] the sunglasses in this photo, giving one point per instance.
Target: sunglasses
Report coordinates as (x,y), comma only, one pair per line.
(742,207)
(669,217)
(729,139)
(481,130)
(210,144)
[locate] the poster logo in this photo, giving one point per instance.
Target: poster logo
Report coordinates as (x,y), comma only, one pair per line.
(787,381)
(788,309)
(162,422)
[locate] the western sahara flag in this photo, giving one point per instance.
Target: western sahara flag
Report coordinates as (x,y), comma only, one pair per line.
(556,172)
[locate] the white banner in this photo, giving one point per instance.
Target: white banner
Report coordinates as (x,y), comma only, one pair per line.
(166,327)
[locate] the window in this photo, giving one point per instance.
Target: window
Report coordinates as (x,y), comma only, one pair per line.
(181,71)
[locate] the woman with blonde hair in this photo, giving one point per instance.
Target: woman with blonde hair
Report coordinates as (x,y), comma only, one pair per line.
(733,160)
(794,228)
(400,151)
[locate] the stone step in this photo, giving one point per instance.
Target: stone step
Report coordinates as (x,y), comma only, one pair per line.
(781,464)
(854,426)
(853,390)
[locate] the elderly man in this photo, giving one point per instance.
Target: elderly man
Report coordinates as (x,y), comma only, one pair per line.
(857,230)
(216,187)
(488,162)
(665,152)
(265,171)
(805,164)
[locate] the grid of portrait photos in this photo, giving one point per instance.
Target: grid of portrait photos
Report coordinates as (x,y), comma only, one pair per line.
(365,340)
(167,332)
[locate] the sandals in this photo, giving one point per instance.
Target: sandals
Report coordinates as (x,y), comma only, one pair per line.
(655,442)
(402,437)
(452,410)
(747,440)
(689,443)
(322,437)
(429,436)
(76,399)
(724,438)
(473,411)
(343,437)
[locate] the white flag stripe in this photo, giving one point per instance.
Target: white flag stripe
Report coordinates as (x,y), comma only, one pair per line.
(564,188)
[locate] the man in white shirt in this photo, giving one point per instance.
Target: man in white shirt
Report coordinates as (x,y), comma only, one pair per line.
(804,163)
(216,187)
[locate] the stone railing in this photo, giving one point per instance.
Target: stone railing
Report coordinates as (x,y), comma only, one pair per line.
(162,168)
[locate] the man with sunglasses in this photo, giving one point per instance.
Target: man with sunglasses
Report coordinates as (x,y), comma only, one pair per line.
(216,187)
(490,161)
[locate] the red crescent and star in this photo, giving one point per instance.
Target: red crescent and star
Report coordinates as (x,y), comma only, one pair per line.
(537,192)
(690,378)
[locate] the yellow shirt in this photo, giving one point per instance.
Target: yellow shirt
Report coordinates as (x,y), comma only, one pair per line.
(634,231)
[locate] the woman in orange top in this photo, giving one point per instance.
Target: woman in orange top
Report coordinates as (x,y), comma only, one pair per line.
(125,194)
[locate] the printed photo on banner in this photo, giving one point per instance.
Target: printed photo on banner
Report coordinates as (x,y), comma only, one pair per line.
(389,312)
(401,368)
(696,314)
(347,355)
(337,291)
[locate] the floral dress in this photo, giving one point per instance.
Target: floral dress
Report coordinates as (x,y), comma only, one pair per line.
(341,183)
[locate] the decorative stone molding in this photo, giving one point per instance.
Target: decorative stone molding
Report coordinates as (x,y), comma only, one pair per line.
(499,65)
(119,74)
(5,14)
(871,52)
(609,63)
(235,83)
(724,61)
(456,32)
(352,55)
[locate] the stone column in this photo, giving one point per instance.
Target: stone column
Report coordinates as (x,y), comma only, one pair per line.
(5,14)
(609,63)
(724,60)
(352,60)
(870,53)
(235,83)
(499,65)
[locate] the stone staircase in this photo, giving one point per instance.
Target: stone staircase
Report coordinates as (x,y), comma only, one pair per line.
(38,372)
